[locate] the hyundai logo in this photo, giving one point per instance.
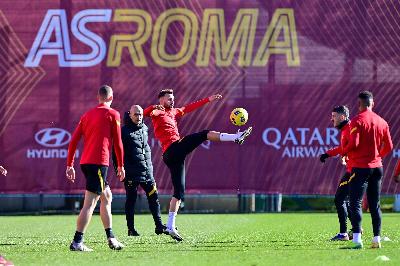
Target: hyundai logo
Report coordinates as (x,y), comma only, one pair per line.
(52,137)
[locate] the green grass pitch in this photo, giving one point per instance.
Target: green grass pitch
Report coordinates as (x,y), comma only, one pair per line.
(223,239)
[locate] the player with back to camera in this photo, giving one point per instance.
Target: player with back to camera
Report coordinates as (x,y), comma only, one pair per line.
(369,142)
(100,129)
(164,117)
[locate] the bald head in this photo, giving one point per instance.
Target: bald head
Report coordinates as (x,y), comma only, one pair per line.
(136,114)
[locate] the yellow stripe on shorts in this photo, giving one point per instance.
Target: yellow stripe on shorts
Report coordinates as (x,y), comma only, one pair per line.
(153,190)
(348,181)
(101,180)
(351,177)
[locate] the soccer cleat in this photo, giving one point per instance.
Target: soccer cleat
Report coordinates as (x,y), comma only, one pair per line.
(133,232)
(79,247)
(353,245)
(340,237)
(113,243)
(161,230)
(376,245)
(243,136)
(174,234)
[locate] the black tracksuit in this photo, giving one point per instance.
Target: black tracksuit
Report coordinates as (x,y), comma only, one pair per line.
(139,170)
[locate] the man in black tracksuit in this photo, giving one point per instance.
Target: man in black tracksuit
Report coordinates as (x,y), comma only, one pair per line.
(139,169)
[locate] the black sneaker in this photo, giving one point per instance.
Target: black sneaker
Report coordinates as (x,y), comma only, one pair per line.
(161,230)
(133,232)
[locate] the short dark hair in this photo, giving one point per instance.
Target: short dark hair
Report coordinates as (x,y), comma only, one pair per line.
(342,109)
(105,92)
(366,98)
(164,92)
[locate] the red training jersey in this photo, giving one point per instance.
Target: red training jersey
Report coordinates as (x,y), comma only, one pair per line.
(344,140)
(165,122)
(370,140)
(99,128)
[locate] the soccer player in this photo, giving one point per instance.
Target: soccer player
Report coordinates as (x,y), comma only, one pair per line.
(3,171)
(340,119)
(175,149)
(100,128)
(369,142)
(139,169)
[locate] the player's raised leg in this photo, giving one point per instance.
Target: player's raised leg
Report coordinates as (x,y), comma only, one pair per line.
(238,137)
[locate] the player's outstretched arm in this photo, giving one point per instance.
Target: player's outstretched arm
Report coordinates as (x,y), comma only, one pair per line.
(193,106)
(215,97)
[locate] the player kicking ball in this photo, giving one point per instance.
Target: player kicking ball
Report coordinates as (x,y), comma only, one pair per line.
(175,149)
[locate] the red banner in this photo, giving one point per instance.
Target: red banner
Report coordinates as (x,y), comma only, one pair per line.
(286,62)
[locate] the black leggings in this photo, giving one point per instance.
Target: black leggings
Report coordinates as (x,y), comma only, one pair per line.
(150,189)
(174,158)
(366,179)
(342,202)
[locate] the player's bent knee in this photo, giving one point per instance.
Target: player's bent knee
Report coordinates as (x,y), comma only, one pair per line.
(106,197)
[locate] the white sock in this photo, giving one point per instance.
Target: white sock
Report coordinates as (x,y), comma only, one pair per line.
(228,137)
(376,239)
(357,238)
(171,220)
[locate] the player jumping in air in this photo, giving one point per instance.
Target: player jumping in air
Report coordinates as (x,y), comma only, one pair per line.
(175,149)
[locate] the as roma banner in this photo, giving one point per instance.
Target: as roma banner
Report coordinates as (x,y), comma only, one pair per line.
(288,63)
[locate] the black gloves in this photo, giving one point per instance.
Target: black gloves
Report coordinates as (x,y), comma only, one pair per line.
(323,157)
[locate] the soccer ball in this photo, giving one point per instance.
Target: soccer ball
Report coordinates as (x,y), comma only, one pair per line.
(239,116)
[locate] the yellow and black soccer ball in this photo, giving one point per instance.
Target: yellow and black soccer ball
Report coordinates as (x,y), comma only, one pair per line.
(239,116)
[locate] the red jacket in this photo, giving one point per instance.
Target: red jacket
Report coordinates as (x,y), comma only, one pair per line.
(344,140)
(165,122)
(370,140)
(99,128)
